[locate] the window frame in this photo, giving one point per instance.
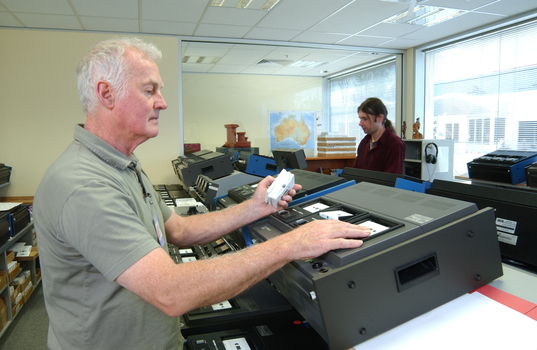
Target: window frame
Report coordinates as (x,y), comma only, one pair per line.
(419,67)
(396,116)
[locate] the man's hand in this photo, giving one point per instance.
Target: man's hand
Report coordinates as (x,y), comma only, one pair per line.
(320,236)
(261,191)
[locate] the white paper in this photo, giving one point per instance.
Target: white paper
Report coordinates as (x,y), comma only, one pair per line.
(236,344)
(472,321)
(5,206)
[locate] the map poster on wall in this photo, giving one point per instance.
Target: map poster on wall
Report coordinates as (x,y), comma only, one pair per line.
(292,129)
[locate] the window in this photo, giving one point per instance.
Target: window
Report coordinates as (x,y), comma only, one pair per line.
(349,91)
(452,131)
(487,86)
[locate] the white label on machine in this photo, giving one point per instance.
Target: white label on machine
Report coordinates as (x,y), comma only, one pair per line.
(315,207)
(222,306)
(506,223)
(374,227)
(507,238)
(418,219)
(236,344)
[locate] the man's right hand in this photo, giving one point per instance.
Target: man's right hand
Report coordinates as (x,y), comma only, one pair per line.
(320,236)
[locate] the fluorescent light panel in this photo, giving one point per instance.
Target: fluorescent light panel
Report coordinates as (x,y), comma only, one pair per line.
(200,59)
(307,64)
(426,16)
(245,4)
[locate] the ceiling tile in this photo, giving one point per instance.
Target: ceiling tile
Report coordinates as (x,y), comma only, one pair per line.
(221,31)
(319,37)
(328,55)
(455,26)
(364,40)
(193,67)
(296,15)
(242,57)
(390,29)
(358,16)
(271,34)
(207,50)
(168,27)
(8,20)
(228,69)
(58,7)
(232,16)
(106,24)
(106,8)
(510,8)
(260,69)
(461,4)
(173,10)
(49,21)
(399,43)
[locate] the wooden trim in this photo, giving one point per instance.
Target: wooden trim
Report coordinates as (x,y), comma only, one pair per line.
(28,200)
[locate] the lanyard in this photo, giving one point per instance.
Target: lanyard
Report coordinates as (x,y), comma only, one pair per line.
(147,198)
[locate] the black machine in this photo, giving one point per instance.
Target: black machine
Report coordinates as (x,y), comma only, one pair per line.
(515,209)
(212,164)
(290,158)
(502,166)
(311,183)
(376,177)
(282,335)
(424,251)
(5,173)
(531,175)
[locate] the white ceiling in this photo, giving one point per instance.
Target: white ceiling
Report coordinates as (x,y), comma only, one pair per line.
(341,33)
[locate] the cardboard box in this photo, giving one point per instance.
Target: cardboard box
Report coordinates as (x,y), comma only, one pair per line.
(15,271)
(33,255)
(3,314)
(3,279)
(14,297)
(10,256)
(27,292)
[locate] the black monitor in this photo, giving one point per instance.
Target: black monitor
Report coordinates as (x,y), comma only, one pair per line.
(377,177)
(290,158)
(515,208)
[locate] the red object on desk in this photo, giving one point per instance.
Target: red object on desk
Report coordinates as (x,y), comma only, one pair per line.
(518,304)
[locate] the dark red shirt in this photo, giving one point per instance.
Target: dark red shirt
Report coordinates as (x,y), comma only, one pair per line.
(388,155)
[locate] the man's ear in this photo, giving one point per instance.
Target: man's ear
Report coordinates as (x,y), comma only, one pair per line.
(104,94)
(381,117)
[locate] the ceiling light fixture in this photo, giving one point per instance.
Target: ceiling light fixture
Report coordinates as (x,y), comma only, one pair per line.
(217,2)
(200,59)
(246,4)
(306,64)
(426,16)
(243,4)
(269,5)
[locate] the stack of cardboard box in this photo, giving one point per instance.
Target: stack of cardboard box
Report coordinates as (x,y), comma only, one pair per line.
(335,145)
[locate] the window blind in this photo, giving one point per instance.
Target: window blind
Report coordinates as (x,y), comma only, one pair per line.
(487,86)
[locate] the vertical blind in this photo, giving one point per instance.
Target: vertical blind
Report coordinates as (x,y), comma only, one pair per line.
(482,93)
(349,91)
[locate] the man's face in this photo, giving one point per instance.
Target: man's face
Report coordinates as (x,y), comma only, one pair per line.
(138,112)
(368,123)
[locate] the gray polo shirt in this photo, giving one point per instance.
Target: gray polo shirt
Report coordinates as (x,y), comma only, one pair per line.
(93,220)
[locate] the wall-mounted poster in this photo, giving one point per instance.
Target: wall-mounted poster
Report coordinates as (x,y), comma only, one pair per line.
(293,129)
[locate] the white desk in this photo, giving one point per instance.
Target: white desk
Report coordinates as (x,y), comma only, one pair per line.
(472,321)
(517,282)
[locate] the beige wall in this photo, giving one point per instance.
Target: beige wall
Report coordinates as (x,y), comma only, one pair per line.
(39,105)
(212,100)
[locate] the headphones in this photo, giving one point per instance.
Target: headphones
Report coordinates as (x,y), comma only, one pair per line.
(430,158)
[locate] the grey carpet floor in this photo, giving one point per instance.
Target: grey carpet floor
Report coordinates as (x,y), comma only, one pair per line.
(29,328)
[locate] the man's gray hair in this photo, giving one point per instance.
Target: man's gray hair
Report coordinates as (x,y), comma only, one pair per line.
(106,62)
